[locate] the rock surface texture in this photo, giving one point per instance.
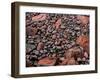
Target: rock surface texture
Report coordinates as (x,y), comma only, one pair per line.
(56,39)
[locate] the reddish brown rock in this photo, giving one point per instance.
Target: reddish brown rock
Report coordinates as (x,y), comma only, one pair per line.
(84,42)
(83,19)
(47,61)
(57,24)
(72,52)
(39,17)
(40,46)
(86,55)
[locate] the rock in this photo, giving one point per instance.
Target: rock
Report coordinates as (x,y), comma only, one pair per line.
(29,48)
(77,28)
(42,51)
(63,27)
(65,36)
(45,51)
(60,37)
(39,17)
(83,41)
(78,22)
(47,62)
(73,52)
(71,61)
(30,31)
(59,47)
(40,46)
(54,36)
(79,59)
(54,31)
(57,42)
(44,27)
(36,52)
(57,24)
(29,63)
(84,59)
(86,55)
(84,19)
(62,58)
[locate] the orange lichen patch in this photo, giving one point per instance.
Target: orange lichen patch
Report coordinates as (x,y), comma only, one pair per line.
(40,46)
(57,24)
(83,19)
(39,17)
(83,41)
(47,61)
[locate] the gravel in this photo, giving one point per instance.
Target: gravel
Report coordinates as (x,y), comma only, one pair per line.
(50,33)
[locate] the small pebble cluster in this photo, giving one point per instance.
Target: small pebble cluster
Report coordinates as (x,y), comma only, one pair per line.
(56,39)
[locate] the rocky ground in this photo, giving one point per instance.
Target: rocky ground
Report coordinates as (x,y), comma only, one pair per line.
(56,39)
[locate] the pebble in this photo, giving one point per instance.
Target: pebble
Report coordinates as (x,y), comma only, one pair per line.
(36,52)
(40,46)
(54,36)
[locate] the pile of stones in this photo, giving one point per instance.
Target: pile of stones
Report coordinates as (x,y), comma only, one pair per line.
(56,39)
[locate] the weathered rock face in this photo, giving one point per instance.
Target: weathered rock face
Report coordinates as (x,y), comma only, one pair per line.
(56,39)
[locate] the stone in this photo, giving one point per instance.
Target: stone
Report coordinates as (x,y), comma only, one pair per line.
(84,19)
(54,36)
(31,31)
(83,59)
(41,51)
(57,39)
(63,27)
(57,24)
(86,55)
(83,41)
(73,52)
(40,46)
(58,47)
(54,32)
(39,17)
(36,52)
(71,61)
(47,62)
(29,48)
